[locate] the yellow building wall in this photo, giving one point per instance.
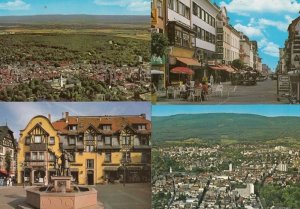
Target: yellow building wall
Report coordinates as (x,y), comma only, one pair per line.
(22,148)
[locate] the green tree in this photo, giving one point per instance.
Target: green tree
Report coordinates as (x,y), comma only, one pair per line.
(159,44)
(239,64)
(7,162)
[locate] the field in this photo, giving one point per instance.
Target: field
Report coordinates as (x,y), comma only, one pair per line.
(119,47)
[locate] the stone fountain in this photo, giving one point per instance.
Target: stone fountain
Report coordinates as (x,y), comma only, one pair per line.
(60,193)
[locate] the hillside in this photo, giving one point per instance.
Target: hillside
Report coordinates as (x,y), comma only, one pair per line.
(214,127)
(100,20)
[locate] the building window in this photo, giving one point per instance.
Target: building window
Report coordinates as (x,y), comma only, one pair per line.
(142,127)
(51,157)
(107,157)
(52,140)
(126,157)
(72,127)
(171,4)
(159,8)
(34,156)
(106,127)
(27,156)
(195,9)
(107,140)
(89,148)
(89,137)
(41,156)
(37,139)
(27,140)
(90,164)
(178,37)
(186,40)
(126,140)
(144,140)
(71,140)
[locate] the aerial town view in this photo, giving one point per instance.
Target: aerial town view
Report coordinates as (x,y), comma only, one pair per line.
(54,51)
(229,157)
(75,155)
(225,51)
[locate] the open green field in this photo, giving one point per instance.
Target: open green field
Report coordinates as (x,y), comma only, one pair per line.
(75,45)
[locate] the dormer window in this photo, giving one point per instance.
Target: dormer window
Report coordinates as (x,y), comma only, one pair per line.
(89,137)
(106,127)
(142,127)
(72,127)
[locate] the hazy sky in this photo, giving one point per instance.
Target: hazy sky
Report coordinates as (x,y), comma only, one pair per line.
(17,115)
(265,21)
(96,7)
(265,110)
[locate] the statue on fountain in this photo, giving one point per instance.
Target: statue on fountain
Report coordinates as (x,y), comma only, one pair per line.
(65,164)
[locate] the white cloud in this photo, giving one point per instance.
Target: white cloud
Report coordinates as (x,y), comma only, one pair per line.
(249,30)
(282,26)
(262,6)
(14,5)
(271,49)
(131,5)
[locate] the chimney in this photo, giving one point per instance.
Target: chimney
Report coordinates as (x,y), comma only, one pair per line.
(143,115)
(67,116)
(49,117)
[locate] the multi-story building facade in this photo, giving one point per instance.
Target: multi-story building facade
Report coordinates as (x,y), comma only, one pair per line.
(101,147)
(204,14)
(292,56)
(246,53)
(35,163)
(8,144)
(228,40)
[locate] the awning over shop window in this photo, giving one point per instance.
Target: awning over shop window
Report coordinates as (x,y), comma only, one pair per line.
(223,67)
(182,70)
(189,61)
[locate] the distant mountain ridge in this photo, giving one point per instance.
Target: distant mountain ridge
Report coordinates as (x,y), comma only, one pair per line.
(76,19)
(217,126)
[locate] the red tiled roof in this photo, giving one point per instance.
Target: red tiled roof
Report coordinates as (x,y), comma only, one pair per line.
(118,123)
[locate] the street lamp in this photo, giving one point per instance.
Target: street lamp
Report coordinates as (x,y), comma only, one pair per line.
(124,161)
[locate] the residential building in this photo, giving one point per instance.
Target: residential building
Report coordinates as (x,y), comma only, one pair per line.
(292,54)
(8,144)
(102,148)
(246,52)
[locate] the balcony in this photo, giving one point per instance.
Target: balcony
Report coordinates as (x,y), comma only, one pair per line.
(67,146)
(38,147)
(108,147)
(79,146)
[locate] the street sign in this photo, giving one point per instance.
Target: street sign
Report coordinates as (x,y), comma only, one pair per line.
(283,86)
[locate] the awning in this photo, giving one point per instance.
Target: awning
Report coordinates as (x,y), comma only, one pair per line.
(111,168)
(3,172)
(156,72)
(188,61)
(223,67)
(182,70)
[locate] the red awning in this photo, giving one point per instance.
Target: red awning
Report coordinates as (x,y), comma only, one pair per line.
(3,172)
(223,67)
(182,70)
(188,61)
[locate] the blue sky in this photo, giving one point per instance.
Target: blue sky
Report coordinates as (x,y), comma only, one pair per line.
(96,7)
(265,110)
(17,115)
(265,21)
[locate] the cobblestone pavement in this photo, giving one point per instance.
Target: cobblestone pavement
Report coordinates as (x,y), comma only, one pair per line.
(113,196)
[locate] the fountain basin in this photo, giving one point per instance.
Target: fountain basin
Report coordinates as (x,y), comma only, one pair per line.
(57,200)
